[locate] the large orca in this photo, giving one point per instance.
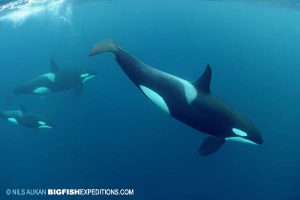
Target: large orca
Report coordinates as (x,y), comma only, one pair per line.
(189,102)
(55,81)
(21,117)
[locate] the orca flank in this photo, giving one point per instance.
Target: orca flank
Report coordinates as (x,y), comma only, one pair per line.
(189,102)
(56,80)
(23,118)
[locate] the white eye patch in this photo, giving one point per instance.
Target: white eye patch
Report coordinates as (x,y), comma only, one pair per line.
(239,132)
(42,123)
(84,75)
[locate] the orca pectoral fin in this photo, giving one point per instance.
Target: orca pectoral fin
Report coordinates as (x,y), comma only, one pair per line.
(210,145)
(36,131)
(43,97)
(78,90)
(23,109)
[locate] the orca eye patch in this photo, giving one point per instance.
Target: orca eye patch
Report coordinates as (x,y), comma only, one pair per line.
(84,75)
(239,132)
(42,123)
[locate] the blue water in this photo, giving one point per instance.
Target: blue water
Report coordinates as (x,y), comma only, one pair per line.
(113,137)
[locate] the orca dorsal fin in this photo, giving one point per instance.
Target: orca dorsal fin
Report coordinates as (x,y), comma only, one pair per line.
(53,66)
(203,83)
(23,109)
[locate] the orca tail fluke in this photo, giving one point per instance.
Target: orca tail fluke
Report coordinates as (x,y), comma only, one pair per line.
(104,46)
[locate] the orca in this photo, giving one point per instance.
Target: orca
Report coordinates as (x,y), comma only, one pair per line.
(189,102)
(55,81)
(22,118)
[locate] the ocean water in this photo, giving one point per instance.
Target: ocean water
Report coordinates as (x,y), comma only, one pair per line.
(113,137)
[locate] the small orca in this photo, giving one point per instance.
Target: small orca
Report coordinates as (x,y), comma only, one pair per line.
(189,102)
(21,117)
(56,81)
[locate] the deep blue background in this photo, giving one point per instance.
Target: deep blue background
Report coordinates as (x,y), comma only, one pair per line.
(114,137)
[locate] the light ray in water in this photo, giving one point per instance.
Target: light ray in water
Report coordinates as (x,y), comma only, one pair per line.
(18,11)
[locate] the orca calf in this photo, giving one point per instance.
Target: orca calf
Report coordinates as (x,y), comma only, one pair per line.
(56,81)
(189,102)
(21,117)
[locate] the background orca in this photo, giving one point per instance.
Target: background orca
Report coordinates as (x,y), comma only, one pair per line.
(190,103)
(21,117)
(56,81)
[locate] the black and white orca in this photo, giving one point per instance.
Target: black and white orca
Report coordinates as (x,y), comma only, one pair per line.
(189,102)
(56,81)
(22,118)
